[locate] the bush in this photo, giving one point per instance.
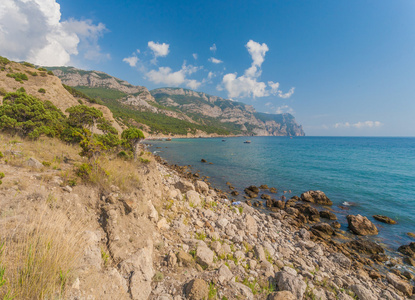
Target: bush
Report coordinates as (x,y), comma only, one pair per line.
(21,90)
(18,76)
(50,73)
(31,73)
(1,177)
(78,94)
(27,64)
(4,61)
(82,115)
(42,90)
(84,171)
(42,69)
(3,91)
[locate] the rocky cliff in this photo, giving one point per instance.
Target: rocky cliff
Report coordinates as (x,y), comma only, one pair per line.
(195,113)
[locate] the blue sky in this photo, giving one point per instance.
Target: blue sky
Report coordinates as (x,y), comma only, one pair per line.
(341,67)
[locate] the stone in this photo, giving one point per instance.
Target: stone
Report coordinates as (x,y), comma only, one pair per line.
(251,224)
(139,268)
(193,198)
(328,215)
(341,259)
(362,292)
(33,163)
(410,261)
(289,282)
(197,289)
(242,289)
(374,274)
(361,225)
(399,284)
(323,230)
(365,246)
(283,295)
(222,223)
(408,250)
(153,215)
(204,256)
(216,246)
(184,186)
(171,259)
(202,187)
(266,197)
(260,253)
(239,255)
(336,225)
(224,274)
(162,224)
(67,189)
(234,193)
(317,197)
(185,258)
(411,234)
(273,190)
(384,219)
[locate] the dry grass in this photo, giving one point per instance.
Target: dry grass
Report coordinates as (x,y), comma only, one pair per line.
(38,255)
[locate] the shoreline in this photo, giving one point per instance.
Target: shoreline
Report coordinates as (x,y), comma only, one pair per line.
(376,267)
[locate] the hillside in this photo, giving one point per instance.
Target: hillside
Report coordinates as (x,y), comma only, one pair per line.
(177,111)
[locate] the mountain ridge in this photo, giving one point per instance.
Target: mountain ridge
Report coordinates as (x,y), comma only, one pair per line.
(201,113)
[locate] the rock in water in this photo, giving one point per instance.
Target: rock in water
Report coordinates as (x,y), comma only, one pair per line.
(408,249)
(317,197)
(365,246)
(384,219)
(361,225)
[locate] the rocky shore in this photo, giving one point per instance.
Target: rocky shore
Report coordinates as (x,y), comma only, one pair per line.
(215,249)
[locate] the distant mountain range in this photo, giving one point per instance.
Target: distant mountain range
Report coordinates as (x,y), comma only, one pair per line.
(176,111)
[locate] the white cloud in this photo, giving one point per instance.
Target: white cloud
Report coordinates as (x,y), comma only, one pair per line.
(132,61)
(359,125)
(211,75)
(248,84)
(215,60)
(165,75)
(213,48)
(159,50)
(195,55)
(32,30)
(284,109)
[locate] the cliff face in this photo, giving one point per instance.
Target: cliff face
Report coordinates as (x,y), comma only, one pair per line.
(248,120)
(189,106)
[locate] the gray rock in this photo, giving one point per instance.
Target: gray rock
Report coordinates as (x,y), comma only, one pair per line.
(197,289)
(184,186)
(283,295)
(362,292)
(289,282)
(341,259)
(239,255)
(224,274)
(243,290)
(251,224)
(361,225)
(216,246)
(399,284)
(33,163)
(171,259)
(204,256)
(260,253)
(202,187)
(344,296)
(193,197)
(222,223)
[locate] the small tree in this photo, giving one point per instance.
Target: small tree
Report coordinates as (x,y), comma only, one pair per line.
(132,137)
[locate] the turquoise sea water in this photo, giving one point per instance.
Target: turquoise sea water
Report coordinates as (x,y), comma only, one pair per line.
(375,175)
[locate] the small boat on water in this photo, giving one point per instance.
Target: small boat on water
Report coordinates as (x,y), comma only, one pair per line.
(247,142)
(223,140)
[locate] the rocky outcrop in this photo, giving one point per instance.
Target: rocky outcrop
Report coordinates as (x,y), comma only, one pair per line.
(317,197)
(361,225)
(384,219)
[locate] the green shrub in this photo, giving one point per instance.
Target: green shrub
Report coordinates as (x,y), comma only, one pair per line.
(41,90)
(84,170)
(18,76)
(74,92)
(131,137)
(124,155)
(31,73)
(50,73)
(27,64)
(42,69)
(46,163)
(21,90)
(1,154)
(82,115)
(4,61)
(2,91)
(1,177)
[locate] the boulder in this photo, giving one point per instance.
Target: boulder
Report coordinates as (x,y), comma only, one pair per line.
(204,256)
(241,289)
(203,160)
(317,197)
(184,186)
(33,163)
(283,295)
(289,282)
(323,230)
(273,190)
(408,249)
(234,193)
(250,193)
(361,225)
(411,234)
(197,289)
(365,246)
(399,284)
(193,197)
(202,187)
(362,292)
(384,219)
(185,258)
(266,197)
(259,253)
(328,215)
(253,188)
(251,224)
(224,274)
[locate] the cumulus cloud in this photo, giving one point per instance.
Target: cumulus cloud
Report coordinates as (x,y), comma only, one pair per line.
(159,50)
(165,75)
(213,48)
(366,124)
(195,55)
(132,60)
(248,85)
(32,30)
(215,60)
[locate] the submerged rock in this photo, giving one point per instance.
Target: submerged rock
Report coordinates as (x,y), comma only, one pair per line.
(365,246)
(361,225)
(328,215)
(317,197)
(384,219)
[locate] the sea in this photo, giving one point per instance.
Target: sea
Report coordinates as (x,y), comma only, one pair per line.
(361,175)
